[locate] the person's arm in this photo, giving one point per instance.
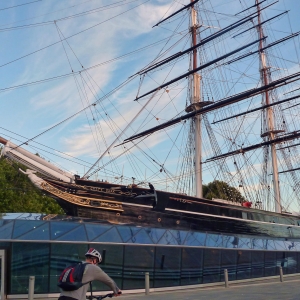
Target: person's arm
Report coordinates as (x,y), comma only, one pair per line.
(100,275)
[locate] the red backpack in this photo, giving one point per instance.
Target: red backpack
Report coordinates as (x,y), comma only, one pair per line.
(71,277)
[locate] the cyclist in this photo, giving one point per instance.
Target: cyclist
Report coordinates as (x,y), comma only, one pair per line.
(92,272)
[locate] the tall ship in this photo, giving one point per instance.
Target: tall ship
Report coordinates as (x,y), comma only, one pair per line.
(203,137)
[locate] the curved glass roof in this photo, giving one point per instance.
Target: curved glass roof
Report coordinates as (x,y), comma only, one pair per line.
(54,228)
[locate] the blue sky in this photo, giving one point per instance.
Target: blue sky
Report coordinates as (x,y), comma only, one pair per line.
(30,110)
(95,39)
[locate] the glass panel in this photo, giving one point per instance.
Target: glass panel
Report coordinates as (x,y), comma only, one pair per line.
(230,241)
(191,266)
(39,233)
(137,261)
(257,244)
(298,260)
(94,230)
(6,229)
(281,261)
(5,245)
(291,258)
(29,259)
(269,244)
(180,236)
(22,227)
(10,215)
(280,245)
(229,262)
(112,264)
(141,238)
(244,243)
(111,235)
(167,266)
(257,263)
(77,234)
(214,240)
(291,246)
(195,239)
(156,234)
(128,232)
(243,264)
(60,228)
(270,263)
(30,216)
(168,239)
(63,255)
(211,265)
(295,246)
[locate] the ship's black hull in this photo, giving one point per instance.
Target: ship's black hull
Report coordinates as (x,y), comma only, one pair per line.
(142,207)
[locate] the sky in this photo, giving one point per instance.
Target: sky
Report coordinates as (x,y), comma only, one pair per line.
(110,30)
(60,56)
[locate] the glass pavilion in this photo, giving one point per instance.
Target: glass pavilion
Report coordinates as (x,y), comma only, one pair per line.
(43,245)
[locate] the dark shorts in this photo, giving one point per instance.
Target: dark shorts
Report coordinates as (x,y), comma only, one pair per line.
(66,298)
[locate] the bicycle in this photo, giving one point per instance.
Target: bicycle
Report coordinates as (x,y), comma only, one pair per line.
(110,295)
(100,297)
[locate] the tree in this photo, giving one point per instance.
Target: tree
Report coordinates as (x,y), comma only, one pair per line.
(18,194)
(222,190)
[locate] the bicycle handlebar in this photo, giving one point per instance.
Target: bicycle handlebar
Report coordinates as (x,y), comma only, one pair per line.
(100,297)
(110,295)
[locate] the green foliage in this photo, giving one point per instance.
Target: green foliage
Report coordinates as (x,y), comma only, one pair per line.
(222,190)
(18,194)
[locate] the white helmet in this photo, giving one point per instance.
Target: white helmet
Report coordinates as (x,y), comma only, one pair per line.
(94,253)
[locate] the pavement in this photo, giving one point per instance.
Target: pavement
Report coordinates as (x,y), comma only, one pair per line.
(273,289)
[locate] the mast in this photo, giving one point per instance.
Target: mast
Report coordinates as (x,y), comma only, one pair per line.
(216,105)
(195,99)
(270,133)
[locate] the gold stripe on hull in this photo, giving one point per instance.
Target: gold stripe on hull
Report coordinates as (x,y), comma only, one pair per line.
(83,201)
